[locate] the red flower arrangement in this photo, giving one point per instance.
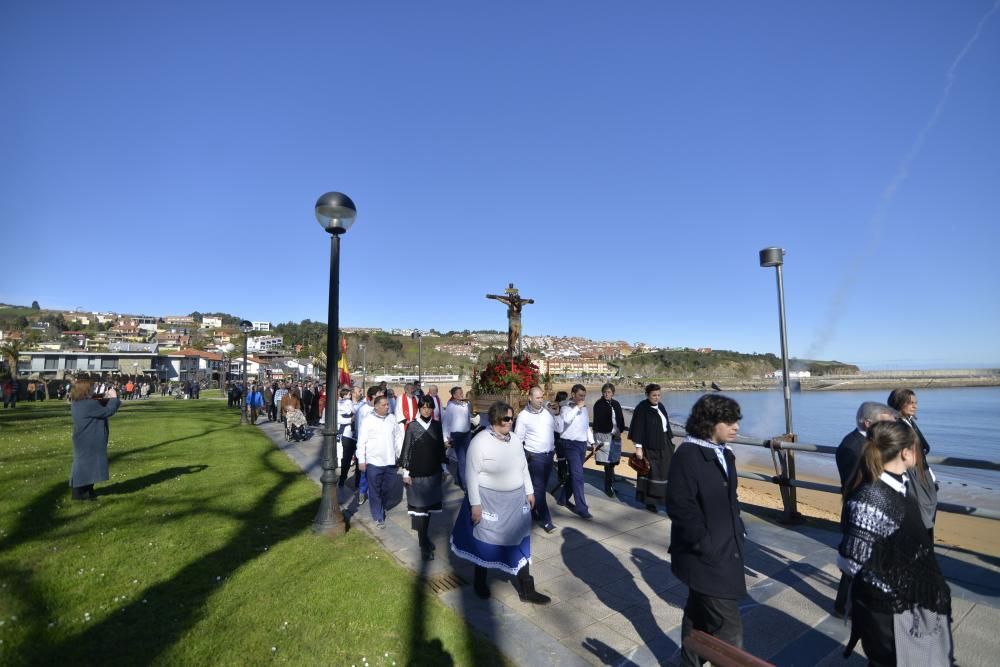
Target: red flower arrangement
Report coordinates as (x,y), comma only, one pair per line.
(505,370)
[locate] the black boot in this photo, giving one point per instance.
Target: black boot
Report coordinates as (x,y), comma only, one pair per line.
(479,583)
(422,524)
(527,592)
(609,480)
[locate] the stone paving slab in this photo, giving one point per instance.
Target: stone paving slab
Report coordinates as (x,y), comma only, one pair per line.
(615,601)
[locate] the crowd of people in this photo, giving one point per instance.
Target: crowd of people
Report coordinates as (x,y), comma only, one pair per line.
(892,586)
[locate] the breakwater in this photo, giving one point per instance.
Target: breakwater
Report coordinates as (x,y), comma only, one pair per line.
(925,379)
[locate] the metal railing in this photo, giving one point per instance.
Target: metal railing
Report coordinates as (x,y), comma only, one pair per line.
(785,479)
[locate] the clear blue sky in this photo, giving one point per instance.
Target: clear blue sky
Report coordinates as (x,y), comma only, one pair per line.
(622,163)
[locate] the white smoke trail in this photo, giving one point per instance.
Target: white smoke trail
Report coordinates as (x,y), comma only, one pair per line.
(877,221)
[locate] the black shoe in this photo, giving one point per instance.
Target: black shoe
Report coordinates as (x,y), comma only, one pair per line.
(588,516)
(549,528)
(482,592)
(839,612)
(340,483)
(651,507)
(427,554)
(609,492)
(528,594)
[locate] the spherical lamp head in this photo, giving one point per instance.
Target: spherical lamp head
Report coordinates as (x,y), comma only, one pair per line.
(246,326)
(772,257)
(335,212)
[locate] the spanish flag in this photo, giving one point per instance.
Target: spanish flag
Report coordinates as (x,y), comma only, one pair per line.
(345,375)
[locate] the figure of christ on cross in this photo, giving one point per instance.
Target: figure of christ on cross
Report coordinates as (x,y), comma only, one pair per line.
(514,304)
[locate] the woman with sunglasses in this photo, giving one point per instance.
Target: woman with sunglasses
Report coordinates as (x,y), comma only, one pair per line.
(493,527)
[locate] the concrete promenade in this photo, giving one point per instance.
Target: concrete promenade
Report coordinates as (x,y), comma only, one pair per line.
(615,602)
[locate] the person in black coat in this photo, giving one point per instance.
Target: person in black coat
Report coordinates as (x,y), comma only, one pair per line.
(423,459)
(706,533)
(653,439)
(609,423)
(850,452)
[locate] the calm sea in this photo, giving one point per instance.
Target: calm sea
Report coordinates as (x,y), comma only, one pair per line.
(957,422)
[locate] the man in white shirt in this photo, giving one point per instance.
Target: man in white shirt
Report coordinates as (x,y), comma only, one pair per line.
(536,426)
(364,410)
(347,408)
(576,421)
(379,443)
(432,391)
(457,430)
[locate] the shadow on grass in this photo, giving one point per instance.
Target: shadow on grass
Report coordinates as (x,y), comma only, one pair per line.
(140,483)
(143,632)
(422,651)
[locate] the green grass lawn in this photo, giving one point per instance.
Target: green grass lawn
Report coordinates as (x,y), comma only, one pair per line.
(199,551)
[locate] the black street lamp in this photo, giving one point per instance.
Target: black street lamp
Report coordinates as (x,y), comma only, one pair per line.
(335,213)
(776,257)
(246,327)
(420,353)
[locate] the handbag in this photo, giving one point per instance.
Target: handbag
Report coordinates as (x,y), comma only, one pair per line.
(641,466)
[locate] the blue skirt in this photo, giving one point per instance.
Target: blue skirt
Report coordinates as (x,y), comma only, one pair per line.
(464,544)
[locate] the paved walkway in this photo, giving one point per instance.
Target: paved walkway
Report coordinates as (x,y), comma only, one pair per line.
(615,602)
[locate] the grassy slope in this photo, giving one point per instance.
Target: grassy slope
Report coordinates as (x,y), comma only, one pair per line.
(199,552)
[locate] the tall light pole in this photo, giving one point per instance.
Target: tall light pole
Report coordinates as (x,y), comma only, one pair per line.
(420,353)
(776,257)
(246,327)
(364,366)
(335,213)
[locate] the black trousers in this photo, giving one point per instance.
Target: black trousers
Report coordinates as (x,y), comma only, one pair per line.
(350,447)
(718,617)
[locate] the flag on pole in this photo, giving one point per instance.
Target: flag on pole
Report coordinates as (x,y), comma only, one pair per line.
(345,375)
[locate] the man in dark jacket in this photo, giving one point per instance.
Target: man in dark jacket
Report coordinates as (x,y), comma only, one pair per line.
(706,534)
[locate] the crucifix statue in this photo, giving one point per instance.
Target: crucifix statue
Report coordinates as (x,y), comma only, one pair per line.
(514,304)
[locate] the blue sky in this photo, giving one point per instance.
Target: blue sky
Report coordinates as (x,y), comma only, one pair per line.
(622,163)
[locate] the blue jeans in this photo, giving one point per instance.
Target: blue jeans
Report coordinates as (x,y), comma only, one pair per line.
(378,481)
(460,441)
(575,451)
(540,467)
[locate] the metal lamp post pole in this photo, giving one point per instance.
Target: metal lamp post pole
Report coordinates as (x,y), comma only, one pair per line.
(336,213)
(775,257)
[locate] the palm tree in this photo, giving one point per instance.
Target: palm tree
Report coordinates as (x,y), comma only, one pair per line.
(11,352)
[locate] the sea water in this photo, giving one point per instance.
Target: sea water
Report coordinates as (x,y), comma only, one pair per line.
(962,422)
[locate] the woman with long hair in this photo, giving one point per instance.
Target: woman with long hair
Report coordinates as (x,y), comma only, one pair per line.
(90,437)
(901,603)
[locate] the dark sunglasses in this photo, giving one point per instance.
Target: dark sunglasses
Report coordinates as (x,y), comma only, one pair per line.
(507,419)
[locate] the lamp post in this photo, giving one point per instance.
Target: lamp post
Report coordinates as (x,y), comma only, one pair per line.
(420,353)
(776,257)
(335,213)
(364,366)
(246,327)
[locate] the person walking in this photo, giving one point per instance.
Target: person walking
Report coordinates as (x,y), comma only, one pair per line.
(848,457)
(900,601)
(255,402)
(535,426)
(653,439)
(609,423)
(406,406)
(379,444)
(268,395)
(575,423)
(457,428)
(90,438)
(923,483)
(347,409)
(493,526)
(706,531)
(423,460)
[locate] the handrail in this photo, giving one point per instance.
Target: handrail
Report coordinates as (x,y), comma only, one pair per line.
(786,482)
